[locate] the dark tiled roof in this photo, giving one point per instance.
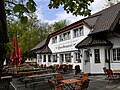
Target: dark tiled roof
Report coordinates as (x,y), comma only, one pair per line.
(90,41)
(40,45)
(107,19)
(44,50)
(91,21)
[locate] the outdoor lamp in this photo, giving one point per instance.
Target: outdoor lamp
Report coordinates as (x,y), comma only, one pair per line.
(90,52)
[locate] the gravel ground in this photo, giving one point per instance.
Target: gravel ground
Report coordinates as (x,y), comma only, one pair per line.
(97,82)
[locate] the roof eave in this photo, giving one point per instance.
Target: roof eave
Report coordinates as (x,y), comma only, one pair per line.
(85,46)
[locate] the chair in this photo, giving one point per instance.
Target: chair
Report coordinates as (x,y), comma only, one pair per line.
(59,77)
(84,77)
(70,67)
(111,76)
(53,87)
(83,86)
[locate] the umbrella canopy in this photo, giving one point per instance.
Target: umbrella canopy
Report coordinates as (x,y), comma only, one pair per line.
(16,55)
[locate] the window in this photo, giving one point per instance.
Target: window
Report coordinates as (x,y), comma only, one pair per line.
(77,56)
(81,33)
(54,39)
(65,36)
(78,32)
(54,58)
(106,56)
(49,58)
(44,58)
(116,54)
(39,58)
(68,57)
(61,38)
(97,55)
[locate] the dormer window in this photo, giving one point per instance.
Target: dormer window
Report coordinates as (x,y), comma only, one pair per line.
(61,38)
(78,32)
(54,39)
(65,36)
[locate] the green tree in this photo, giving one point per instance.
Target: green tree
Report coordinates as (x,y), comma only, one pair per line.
(25,32)
(76,7)
(58,25)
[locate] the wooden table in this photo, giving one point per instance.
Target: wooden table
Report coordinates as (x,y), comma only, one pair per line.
(69,83)
(38,78)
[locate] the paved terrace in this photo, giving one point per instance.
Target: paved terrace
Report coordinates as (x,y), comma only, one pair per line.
(97,82)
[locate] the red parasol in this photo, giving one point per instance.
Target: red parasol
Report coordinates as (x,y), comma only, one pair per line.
(16,55)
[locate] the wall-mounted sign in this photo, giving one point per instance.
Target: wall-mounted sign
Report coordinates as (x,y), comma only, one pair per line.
(64,46)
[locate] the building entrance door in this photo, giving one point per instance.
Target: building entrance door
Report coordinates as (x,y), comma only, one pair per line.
(86,63)
(61,58)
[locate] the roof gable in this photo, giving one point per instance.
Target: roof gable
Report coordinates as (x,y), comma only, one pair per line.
(44,50)
(91,21)
(40,45)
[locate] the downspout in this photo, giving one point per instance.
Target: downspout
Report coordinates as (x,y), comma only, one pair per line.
(109,63)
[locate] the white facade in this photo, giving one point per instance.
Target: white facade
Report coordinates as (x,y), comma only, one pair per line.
(97,68)
(60,48)
(115,64)
(87,64)
(68,45)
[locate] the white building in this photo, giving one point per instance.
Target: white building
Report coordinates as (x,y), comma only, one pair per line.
(60,45)
(97,42)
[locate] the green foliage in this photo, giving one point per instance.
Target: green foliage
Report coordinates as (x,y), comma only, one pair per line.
(17,8)
(23,7)
(59,25)
(20,9)
(30,34)
(76,7)
(31,6)
(24,19)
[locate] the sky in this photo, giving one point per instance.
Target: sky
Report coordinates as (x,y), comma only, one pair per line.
(53,15)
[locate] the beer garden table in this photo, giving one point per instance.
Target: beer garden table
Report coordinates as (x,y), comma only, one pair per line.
(69,83)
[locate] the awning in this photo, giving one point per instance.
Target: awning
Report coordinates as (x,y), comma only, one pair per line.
(44,50)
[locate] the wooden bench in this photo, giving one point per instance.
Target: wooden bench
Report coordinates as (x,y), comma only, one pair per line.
(23,74)
(34,79)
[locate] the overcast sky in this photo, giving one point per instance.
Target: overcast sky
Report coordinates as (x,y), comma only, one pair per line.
(51,15)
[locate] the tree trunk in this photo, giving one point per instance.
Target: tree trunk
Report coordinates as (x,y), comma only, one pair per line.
(2,57)
(3,34)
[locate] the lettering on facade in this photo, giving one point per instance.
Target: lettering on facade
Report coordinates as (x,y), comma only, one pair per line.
(66,45)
